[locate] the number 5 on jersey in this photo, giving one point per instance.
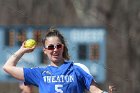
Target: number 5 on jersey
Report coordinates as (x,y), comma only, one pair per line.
(58,88)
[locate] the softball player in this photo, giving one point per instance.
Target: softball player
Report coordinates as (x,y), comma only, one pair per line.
(61,76)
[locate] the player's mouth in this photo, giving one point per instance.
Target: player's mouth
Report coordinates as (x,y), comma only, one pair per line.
(55,55)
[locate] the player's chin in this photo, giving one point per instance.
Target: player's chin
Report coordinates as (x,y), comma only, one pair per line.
(55,59)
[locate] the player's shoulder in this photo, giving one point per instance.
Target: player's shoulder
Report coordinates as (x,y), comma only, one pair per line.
(82,66)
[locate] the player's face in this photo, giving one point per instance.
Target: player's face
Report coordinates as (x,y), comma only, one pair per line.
(54,49)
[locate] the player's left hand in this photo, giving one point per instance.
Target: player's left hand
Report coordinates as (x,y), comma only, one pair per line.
(111,88)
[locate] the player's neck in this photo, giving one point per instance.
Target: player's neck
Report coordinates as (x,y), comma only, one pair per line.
(57,64)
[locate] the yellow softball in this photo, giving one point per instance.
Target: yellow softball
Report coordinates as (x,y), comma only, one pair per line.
(30,43)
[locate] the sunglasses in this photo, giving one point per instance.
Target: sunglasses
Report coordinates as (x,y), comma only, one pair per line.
(52,47)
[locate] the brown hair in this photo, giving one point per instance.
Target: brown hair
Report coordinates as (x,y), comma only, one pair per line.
(54,32)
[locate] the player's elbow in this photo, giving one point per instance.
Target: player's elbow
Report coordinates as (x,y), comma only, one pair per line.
(14,71)
(6,68)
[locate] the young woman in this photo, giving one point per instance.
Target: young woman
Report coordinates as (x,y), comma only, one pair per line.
(61,76)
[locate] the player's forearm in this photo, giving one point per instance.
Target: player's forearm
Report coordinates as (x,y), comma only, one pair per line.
(94,89)
(13,60)
(97,91)
(10,65)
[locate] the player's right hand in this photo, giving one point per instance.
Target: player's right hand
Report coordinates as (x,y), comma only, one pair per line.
(26,50)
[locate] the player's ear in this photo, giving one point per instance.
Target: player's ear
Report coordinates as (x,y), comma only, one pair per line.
(63,47)
(44,50)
